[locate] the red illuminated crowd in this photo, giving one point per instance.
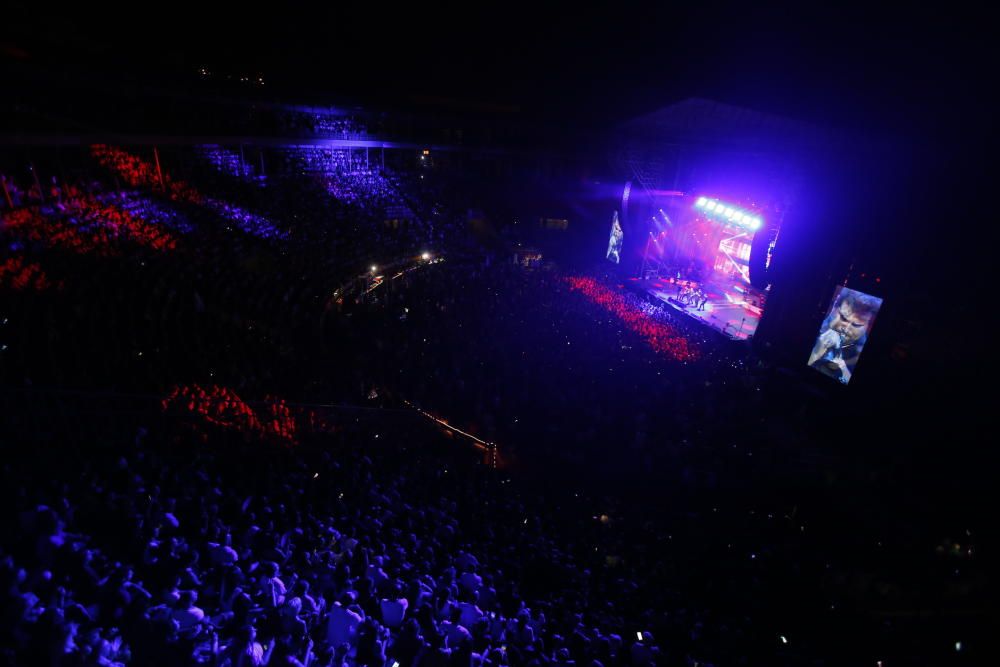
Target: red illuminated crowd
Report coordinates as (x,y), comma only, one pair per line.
(223,407)
(139,173)
(85,225)
(662,337)
(18,274)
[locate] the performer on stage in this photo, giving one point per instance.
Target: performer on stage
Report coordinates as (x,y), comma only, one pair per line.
(615,241)
(843,334)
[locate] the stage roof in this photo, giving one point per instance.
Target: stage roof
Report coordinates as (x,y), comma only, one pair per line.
(698,121)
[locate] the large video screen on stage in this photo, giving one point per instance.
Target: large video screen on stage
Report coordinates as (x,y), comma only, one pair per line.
(615,242)
(843,333)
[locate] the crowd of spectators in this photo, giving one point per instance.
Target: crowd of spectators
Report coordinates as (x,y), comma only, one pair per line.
(374,542)
(653,322)
(642,514)
(17,274)
(272,420)
(228,162)
(452,331)
(319,124)
(85,225)
(162,264)
(353,179)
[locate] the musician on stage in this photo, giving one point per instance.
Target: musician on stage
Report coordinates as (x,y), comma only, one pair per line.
(843,334)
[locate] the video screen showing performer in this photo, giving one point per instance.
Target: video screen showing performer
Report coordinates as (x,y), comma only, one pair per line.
(843,334)
(615,242)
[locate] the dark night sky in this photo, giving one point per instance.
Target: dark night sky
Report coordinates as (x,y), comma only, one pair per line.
(582,63)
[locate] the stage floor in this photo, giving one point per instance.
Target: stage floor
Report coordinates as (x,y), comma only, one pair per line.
(726,310)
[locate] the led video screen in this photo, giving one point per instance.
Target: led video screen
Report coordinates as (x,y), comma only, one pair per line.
(843,333)
(615,242)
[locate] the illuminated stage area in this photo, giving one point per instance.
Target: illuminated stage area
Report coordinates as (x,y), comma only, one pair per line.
(704,257)
(729,307)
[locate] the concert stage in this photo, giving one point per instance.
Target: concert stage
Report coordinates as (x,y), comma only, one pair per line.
(732,308)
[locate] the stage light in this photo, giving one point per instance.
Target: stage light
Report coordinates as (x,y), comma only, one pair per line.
(755,223)
(738,217)
(710,206)
(701,202)
(426,256)
(374,268)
